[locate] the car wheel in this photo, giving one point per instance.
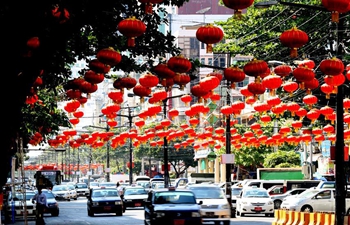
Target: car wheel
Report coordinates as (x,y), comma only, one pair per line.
(55,213)
(242,214)
(76,198)
(306,208)
(90,213)
(119,213)
(237,213)
(277,204)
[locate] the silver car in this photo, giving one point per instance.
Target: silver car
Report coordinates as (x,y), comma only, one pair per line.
(278,199)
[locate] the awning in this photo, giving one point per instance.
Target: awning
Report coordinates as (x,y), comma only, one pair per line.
(201,154)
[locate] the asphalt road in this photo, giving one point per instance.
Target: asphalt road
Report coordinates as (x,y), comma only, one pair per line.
(75,213)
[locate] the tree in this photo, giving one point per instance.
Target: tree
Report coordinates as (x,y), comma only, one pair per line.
(66,32)
(282,159)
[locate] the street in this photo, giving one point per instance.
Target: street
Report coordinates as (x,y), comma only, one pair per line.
(75,213)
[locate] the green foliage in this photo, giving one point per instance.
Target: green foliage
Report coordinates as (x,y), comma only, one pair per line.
(281,159)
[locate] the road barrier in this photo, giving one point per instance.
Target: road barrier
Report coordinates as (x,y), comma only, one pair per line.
(287,217)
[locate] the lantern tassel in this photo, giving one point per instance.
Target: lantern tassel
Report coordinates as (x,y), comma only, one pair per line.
(209,48)
(131,42)
(293,52)
(335,16)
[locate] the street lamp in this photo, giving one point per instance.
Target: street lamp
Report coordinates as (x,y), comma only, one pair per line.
(129,117)
(339,145)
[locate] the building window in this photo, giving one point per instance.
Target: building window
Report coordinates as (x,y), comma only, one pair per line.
(210,61)
(203,61)
(222,62)
(202,45)
(216,62)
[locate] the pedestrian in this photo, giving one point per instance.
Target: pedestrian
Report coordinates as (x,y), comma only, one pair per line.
(41,203)
(120,190)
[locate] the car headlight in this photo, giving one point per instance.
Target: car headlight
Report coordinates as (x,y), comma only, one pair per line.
(244,203)
(160,214)
(196,214)
(226,206)
(270,203)
(94,203)
(118,202)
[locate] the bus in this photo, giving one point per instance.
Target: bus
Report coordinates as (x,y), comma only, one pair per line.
(47,176)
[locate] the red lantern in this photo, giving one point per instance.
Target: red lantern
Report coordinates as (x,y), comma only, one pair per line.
(93,77)
(128,164)
(265,118)
(307,63)
(163,71)
(128,82)
(297,125)
(238,6)
(181,79)
(209,34)
(290,87)
(283,70)
(234,75)
(99,67)
(141,91)
(273,101)
(209,83)
(327,89)
(199,92)
(346,104)
(109,56)
(293,107)
(131,28)
(313,115)
(272,82)
(186,99)
(335,81)
(226,110)
(179,64)
(328,129)
(301,113)
(310,85)
(294,39)
(149,80)
(149,5)
(245,92)
(310,100)
(332,67)
(257,89)
(173,113)
(33,43)
(336,7)
(302,75)
(255,68)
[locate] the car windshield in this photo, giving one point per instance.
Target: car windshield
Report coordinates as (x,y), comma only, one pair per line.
(20,197)
(236,191)
(60,188)
(82,186)
(49,195)
(145,184)
(208,192)
(105,193)
(308,193)
(175,197)
(135,191)
(255,194)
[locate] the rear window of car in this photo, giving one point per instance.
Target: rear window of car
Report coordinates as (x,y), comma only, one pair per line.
(105,193)
(135,191)
(208,192)
(174,198)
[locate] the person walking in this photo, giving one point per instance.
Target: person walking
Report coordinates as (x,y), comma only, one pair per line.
(41,203)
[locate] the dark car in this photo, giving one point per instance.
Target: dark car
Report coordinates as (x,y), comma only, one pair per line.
(104,200)
(172,206)
(134,196)
(52,204)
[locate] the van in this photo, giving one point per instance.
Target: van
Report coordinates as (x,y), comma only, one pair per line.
(263,183)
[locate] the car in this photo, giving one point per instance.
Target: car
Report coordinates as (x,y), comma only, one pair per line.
(278,199)
(235,193)
(254,200)
(82,189)
(215,207)
(134,196)
(72,191)
(108,184)
(18,201)
(52,203)
(172,206)
(104,200)
(94,184)
(61,192)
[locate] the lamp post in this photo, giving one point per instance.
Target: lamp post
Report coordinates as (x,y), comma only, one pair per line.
(129,117)
(165,145)
(340,191)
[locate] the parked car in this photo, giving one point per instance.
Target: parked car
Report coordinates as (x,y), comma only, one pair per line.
(61,192)
(172,206)
(215,207)
(278,198)
(134,196)
(22,204)
(104,200)
(254,201)
(235,193)
(82,189)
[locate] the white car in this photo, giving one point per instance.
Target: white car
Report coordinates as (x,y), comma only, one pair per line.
(72,191)
(17,200)
(215,207)
(82,189)
(61,192)
(254,201)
